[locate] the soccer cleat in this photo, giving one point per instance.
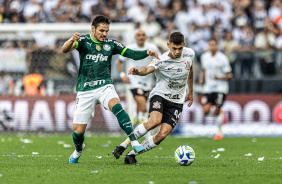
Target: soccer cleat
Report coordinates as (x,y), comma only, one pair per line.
(73,160)
(130,159)
(138,148)
(135,121)
(218,137)
(118,151)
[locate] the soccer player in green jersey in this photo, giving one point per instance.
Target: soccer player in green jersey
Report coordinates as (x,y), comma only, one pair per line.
(94,84)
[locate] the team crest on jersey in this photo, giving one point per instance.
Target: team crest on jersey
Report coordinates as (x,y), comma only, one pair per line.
(187,65)
(98,47)
(106,47)
(157,105)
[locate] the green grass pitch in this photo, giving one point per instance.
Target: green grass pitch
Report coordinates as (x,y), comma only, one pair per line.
(18,163)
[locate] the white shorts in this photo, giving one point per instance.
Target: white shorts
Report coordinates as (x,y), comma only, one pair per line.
(87,100)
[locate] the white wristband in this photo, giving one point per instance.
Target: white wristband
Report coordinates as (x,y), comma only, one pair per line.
(122,74)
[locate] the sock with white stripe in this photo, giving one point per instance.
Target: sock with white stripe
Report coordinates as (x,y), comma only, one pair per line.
(124,121)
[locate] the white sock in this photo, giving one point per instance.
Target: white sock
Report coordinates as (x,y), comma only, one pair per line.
(139,131)
(148,144)
(77,154)
(219,121)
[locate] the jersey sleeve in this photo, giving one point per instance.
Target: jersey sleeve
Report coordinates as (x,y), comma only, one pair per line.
(203,62)
(80,43)
(119,48)
(156,63)
(226,65)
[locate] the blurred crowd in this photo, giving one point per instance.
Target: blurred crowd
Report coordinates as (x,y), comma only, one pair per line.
(249,32)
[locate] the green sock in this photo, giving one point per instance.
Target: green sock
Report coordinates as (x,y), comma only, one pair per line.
(78,140)
(124,121)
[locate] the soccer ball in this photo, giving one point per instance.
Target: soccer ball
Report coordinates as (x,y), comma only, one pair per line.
(184,155)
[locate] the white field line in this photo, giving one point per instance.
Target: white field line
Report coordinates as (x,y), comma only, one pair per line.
(13,155)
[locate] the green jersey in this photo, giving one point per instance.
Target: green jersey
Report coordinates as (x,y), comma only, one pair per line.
(95,62)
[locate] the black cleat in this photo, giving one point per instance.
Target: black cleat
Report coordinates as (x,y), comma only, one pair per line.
(130,159)
(118,151)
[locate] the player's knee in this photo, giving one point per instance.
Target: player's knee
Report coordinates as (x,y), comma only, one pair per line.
(154,122)
(206,111)
(78,129)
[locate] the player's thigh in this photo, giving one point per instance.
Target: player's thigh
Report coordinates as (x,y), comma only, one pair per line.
(84,107)
(108,97)
(219,100)
(172,112)
(207,101)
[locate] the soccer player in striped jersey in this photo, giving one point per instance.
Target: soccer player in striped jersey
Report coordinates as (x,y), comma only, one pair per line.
(173,72)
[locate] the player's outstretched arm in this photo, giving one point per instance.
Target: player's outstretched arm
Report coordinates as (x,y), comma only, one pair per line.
(189,96)
(142,71)
(71,43)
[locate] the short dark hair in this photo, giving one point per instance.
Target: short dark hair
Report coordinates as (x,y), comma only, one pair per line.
(213,39)
(100,19)
(177,38)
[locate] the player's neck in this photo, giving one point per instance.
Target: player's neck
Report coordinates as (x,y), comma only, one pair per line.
(213,53)
(141,45)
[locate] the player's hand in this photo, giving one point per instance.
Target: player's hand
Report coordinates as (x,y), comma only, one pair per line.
(216,77)
(75,37)
(189,97)
(133,71)
(125,80)
(153,53)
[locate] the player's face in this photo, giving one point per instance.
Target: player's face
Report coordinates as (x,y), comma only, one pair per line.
(213,46)
(175,50)
(140,37)
(100,32)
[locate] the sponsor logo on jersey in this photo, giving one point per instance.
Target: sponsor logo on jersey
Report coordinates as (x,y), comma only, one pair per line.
(94,83)
(97,58)
(188,65)
(98,47)
(119,44)
(106,47)
(157,105)
(81,38)
(170,68)
(179,70)
(89,43)
(187,55)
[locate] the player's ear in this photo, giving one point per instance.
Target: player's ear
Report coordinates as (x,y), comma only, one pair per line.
(93,28)
(167,44)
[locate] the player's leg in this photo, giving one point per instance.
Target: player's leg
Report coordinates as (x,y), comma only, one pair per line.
(156,109)
(206,104)
(142,114)
(110,100)
(150,143)
(220,117)
(84,110)
(171,114)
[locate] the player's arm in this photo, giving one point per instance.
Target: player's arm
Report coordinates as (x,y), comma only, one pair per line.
(189,96)
(122,75)
(228,76)
(139,54)
(70,44)
(202,77)
(142,71)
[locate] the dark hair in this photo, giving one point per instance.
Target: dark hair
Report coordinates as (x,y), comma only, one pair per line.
(213,39)
(100,19)
(177,38)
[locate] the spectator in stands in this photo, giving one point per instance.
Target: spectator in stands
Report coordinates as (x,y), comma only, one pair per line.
(230,46)
(246,52)
(278,46)
(264,43)
(6,84)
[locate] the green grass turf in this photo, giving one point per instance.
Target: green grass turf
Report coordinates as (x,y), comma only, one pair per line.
(50,166)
